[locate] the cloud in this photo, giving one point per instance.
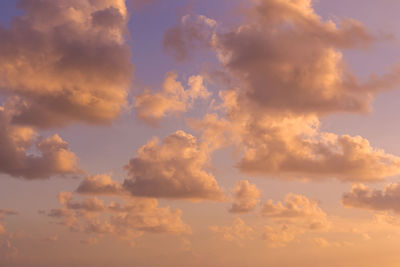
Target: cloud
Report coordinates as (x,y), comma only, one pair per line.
(65,61)
(361,196)
(151,107)
(296,209)
(127,220)
(237,232)
(100,185)
(277,92)
(280,235)
(174,169)
(246,197)
(272,74)
(293,217)
(28,156)
(190,33)
(294,147)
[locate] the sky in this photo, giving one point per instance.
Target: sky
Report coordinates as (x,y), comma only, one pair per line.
(199,133)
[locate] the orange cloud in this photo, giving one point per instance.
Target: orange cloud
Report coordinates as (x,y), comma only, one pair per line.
(293,146)
(246,197)
(51,156)
(274,75)
(297,209)
(100,185)
(66,61)
(174,168)
(151,107)
(278,92)
(125,221)
(361,196)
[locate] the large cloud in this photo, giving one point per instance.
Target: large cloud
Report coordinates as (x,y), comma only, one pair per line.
(173,98)
(174,168)
(295,147)
(361,196)
(26,155)
(65,61)
(284,57)
(284,69)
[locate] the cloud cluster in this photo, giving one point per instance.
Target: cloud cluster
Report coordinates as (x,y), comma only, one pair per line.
(278,91)
(25,154)
(295,147)
(293,217)
(172,99)
(100,185)
(296,208)
(174,168)
(125,220)
(361,196)
(65,61)
(246,197)
(237,232)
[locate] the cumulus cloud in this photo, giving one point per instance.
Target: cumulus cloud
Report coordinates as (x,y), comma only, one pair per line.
(174,168)
(295,147)
(99,185)
(246,197)
(271,73)
(25,154)
(127,220)
(278,92)
(293,217)
(172,99)
(298,209)
(65,61)
(361,196)
(238,232)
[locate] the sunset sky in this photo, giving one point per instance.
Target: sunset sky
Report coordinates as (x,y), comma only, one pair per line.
(220,133)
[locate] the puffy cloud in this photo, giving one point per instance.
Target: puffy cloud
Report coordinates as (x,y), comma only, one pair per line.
(293,217)
(50,156)
(297,209)
(174,168)
(278,92)
(246,197)
(65,61)
(271,73)
(125,221)
(99,185)
(237,232)
(295,147)
(173,98)
(361,196)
